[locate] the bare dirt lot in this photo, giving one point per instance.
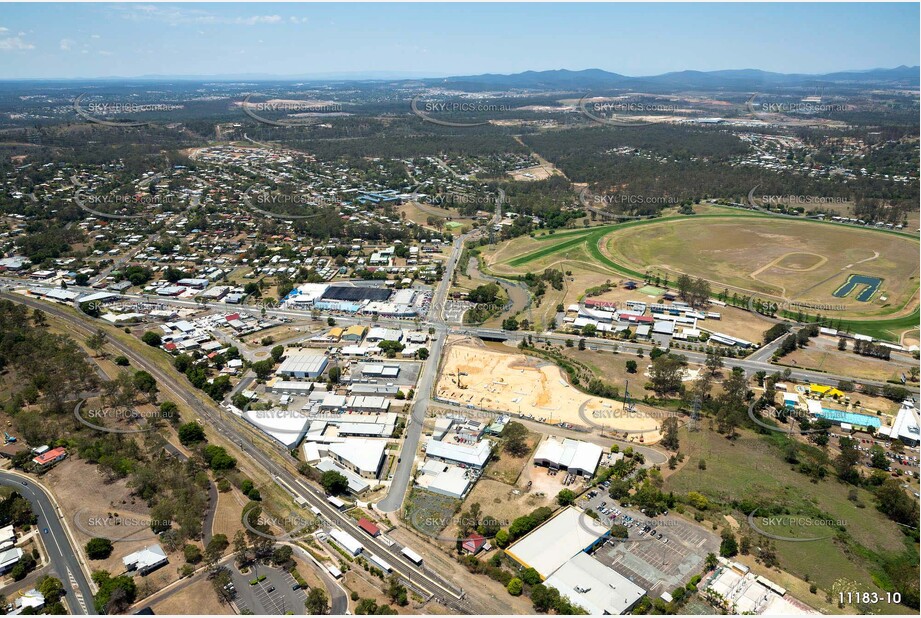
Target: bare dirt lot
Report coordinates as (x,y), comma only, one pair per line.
(514,383)
(99,508)
(198,597)
(500,501)
(538,172)
(509,468)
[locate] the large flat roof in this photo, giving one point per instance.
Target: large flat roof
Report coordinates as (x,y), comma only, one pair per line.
(364,454)
(906,423)
(349,292)
(306,361)
(286,426)
(595,587)
(557,540)
(471,455)
(570,454)
(347,541)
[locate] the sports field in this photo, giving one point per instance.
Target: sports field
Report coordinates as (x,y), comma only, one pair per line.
(864,279)
(795,261)
(565,251)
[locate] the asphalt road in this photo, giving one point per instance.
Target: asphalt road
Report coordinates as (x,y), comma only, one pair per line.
(402,475)
(338,598)
(242,434)
(751,364)
(61,553)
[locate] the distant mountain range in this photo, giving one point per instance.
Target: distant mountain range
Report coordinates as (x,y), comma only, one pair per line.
(741,79)
(568,80)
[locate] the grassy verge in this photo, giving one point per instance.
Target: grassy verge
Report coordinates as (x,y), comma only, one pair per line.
(859,551)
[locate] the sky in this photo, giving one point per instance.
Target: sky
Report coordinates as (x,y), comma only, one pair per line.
(434,40)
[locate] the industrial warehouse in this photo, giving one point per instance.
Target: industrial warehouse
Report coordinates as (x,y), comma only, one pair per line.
(559,550)
(358,299)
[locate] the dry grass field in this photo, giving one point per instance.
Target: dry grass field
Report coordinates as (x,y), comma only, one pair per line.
(228,514)
(419,213)
(199,597)
(795,261)
(822,354)
(508,469)
(583,272)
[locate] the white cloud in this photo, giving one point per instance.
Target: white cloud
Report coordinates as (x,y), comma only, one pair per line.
(258,19)
(67,44)
(14,43)
(176,16)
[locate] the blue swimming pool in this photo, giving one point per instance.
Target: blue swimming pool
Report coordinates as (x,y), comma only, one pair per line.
(839,416)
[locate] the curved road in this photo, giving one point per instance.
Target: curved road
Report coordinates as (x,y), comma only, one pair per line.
(271,457)
(57,543)
(338,599)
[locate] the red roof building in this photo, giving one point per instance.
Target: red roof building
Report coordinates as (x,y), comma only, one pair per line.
(368,527)
(473,543)
(638,319)
(50,457)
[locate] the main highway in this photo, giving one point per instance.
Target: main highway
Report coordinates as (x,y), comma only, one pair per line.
(754,362)
(270,456)
(275,460)
(57,542)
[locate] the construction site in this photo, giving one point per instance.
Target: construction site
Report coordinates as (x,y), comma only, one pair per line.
(478,377)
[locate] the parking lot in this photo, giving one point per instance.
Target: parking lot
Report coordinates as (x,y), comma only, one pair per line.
(660,553)
(903,463)
(273,595)
(454,311)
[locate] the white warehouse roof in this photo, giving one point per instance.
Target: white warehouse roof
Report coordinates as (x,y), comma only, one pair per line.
(364,454)
(384,334)
(569,454)
(555,541)
(471,455)
(309,292)
(286,426)
(595,587)
(906,424)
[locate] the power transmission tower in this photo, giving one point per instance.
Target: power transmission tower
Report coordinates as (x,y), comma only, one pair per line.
(694,424)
